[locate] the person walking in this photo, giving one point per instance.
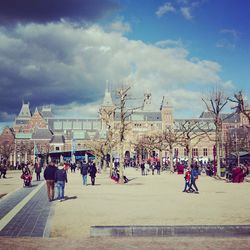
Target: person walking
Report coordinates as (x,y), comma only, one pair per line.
(60,180)
(84,172)
(3,170)
(187,178)
(49,176)
(92,172)
(38,169)
(147,167)
(143,168)
(194,177)
(158,167)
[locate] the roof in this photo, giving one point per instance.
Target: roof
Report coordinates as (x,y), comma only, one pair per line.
(57,139)
(47,114)
(23,136)
(42,133)
(226,117)
(142,116)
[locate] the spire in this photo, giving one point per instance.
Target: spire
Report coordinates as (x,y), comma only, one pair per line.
(107,101)
(147,101)
(166,103)
(25,110)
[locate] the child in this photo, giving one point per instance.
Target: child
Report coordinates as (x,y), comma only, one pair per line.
(187,178)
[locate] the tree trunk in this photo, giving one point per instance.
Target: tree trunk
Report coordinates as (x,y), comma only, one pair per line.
(171,159)
(218,173)
(160,158)
(189,154)
(121,163)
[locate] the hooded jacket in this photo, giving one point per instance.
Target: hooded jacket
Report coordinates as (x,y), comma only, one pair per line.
(61,175)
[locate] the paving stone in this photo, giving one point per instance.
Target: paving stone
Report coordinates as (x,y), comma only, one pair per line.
(32,218)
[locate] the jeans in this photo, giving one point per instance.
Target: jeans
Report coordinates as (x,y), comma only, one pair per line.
(84,179)
(193,184)
(187,186)
(60,189)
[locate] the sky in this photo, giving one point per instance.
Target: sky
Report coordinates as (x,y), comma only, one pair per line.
(64,52)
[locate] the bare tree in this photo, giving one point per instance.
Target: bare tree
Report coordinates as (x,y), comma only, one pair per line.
(43,149)
(107,145)
(24,150)
(6,149)
(124,115)
(215,104)
(191,133)
(167,140)
(146,143)
(241,105)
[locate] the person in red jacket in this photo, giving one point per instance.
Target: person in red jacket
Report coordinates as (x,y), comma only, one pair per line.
(187,179)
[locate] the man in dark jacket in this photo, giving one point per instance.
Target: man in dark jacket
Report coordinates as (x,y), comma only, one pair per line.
(49,176)
(92,172)
(60,179)
(84,172)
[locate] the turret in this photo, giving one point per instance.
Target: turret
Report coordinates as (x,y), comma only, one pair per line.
(23,118)
(107,109)
(166,113)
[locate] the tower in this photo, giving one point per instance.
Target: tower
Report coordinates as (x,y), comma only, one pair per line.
(166,113)
(107,110)
(23,118)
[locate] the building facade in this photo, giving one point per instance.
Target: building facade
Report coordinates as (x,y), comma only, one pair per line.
(43,134)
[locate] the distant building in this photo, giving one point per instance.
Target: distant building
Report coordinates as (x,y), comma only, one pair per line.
(44,134)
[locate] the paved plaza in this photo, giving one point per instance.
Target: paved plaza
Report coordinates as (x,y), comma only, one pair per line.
(146,200)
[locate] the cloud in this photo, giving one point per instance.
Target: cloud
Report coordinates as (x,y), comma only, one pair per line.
(184,7)
(5,117)
(186,12)
(232,32)
(120,26)
(67,66)
(162,10)
(43,11)
(169,43)
(225,43)
(229,39)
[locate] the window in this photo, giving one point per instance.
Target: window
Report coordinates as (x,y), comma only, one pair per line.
(176,151)
(195,152)
(57,148)
(185,152)
(77,125)
(204,151)
(67,125)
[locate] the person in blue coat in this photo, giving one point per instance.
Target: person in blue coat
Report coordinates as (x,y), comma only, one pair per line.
(194,177)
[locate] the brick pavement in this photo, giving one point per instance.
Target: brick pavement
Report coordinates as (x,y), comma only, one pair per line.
(31,220)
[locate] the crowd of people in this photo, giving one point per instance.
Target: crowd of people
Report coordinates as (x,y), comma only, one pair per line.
(148,166)
(56,174)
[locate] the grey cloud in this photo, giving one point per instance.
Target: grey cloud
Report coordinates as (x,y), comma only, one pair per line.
(42,11)
(43,68)
(64,65)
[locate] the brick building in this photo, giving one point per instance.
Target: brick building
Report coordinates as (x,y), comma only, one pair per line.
(44,134)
